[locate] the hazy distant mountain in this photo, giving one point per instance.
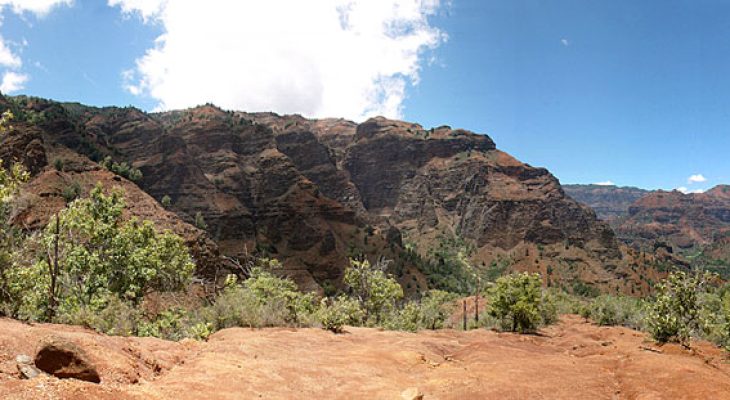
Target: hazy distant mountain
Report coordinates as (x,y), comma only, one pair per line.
(608,201)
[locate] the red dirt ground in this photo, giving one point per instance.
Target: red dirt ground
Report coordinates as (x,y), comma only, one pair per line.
(571,360)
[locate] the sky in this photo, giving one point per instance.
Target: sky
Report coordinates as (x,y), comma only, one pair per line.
(634,93)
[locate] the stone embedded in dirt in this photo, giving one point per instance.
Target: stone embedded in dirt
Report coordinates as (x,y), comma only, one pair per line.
(411,394)
(28,371)
(25,367)
(64,359)
(24,359)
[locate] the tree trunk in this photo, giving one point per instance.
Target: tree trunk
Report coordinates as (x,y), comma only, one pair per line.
(464,313)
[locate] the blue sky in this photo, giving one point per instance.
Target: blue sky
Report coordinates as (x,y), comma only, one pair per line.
(632,92)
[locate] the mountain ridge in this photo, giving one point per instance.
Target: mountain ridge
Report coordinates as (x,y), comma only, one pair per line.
(315,192)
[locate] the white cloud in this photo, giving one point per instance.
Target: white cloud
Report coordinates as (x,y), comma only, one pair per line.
(343,58)
(688,191)
(7,57)
(605,183)
(565,42)
(696,178)
(37,7)
(12,82)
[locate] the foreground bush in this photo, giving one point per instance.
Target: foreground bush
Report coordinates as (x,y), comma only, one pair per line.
(88,254)
(335,313)
(675,313)
(518,303)
(261,300)
(373,288)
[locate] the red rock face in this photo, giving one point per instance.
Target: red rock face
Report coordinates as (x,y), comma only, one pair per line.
(310,192)
(681,220)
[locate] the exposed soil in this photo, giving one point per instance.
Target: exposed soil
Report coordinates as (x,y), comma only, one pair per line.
(572,360)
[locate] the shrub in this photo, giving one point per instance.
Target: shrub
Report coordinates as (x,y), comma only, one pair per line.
(58,164)
(271,290)
(166,201)
(200,221)
(116,317)
(99,254)
(373,288)
(406,318)
(122,169)
(261,300)
(675,313)
(517,300)
(71,192)
(333,314)
(436,307)
(616,310)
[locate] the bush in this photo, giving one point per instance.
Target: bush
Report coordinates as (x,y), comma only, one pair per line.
(715,316)
(282,293)
(675,313)
(335,313)
(116,317)
(71,192)
(406,318)
(261,300)
(616,310)
(122,169)
(99,255)
(373,288)
(516,300)
(200,221)
(436,307)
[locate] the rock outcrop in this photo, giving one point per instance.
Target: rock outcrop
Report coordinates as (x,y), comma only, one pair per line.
(314,192)
(681,220)
(608,201)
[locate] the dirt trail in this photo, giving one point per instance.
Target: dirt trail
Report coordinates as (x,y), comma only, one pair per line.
(572,360)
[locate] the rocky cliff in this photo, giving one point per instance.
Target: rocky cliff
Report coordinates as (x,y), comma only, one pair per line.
(608,201)
(314,192)
(693,224)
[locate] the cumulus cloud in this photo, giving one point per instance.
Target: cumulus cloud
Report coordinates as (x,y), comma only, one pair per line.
(37,7)
(605,183)
(344,58)
(696,178)
(14,80)
(689,191)
(7,57)
(565,42)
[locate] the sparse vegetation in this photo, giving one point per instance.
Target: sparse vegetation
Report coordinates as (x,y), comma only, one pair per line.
(518,303)
(166,201)
(122,169)
(199,221)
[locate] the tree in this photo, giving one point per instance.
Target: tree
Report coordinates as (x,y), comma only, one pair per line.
(88,253)
(10,181)
(374,289)
(516,300)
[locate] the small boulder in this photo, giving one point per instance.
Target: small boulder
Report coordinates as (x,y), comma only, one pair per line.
(28,371)
(411,394)
(24,359)
(25,367)
(64,359)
